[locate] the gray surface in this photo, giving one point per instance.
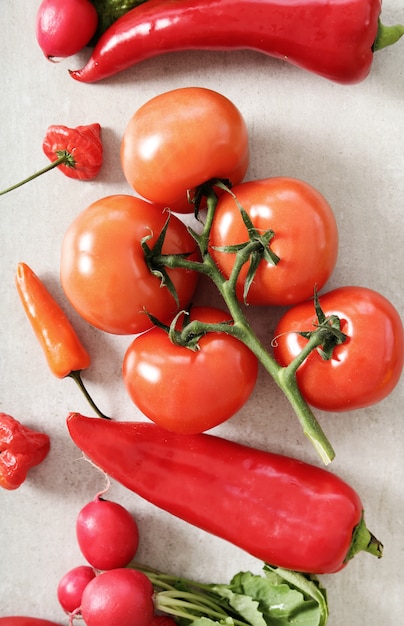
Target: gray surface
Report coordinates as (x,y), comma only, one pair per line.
(347,142)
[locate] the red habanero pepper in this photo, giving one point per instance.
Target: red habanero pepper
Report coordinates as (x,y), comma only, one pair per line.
(283,511)
(77,152)
(332,38)
(25,621)
(63,350)
(20,449)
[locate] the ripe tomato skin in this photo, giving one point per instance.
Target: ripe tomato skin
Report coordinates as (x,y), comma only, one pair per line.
(103,269)
(306,238)
(365,368)
(179,140)
(185,391)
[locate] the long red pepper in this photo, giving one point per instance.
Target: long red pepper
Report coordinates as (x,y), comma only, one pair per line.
(332,38)
(20,449)
(63,350)
(283,511)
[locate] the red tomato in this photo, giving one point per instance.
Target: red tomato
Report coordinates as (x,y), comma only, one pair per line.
(306,238)
(103,268)
(188,391)
(181,139)
(365,368)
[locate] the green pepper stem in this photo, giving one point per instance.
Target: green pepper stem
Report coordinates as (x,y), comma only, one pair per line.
(64,158)
(364,541)
(76,376)
(387,35)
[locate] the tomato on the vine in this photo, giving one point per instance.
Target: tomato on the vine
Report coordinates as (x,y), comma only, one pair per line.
(305,238)
(187,391)
(104,272)
(363,369)
(180,139)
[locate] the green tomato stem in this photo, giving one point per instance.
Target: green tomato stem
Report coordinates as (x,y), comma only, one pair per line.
(64,158)
(285,378)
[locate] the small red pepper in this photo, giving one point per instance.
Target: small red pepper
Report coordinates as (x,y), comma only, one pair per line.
(77,152)
(332,38)
(20,449)
(63,350)
(285,512)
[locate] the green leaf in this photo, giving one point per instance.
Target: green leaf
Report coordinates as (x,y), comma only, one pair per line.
(278,599)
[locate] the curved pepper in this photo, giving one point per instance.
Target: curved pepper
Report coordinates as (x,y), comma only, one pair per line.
(332,38)
(20,449)
(285,512)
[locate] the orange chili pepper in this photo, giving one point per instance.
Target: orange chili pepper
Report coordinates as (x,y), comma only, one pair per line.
(63,350)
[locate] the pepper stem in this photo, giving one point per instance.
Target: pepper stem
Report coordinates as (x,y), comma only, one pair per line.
(63,159)
(364,541)
(387,35)
(76,376)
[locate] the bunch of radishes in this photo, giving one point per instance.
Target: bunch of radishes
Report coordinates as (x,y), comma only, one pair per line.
(105,592)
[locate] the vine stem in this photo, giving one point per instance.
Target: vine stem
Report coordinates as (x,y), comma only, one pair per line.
(284,377)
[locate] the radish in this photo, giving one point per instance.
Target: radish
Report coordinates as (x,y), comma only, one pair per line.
(107,534)
(71,586)
(64,27)
(119,597)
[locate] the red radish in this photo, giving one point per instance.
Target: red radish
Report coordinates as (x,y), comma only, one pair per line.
(71,586)
(119,597)
(107,534)
(64,27)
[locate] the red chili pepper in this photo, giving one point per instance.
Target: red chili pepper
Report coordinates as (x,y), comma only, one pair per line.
(81,148)
(334,39)
(77,152)
(285,512)
(63,350)
(25,621)
(20,449)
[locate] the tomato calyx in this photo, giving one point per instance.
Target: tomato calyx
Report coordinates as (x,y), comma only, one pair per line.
(157,262)
(328,333)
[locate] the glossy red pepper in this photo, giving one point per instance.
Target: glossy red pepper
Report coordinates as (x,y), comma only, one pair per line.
(332,38)
(77,152)
(283,511)
(20,449)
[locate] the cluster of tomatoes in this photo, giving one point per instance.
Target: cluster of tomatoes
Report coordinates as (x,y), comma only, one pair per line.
(106,591)
(172,146)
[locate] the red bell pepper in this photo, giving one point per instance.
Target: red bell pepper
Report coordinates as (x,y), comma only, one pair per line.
(332,38)
(285,512)
(20,449)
